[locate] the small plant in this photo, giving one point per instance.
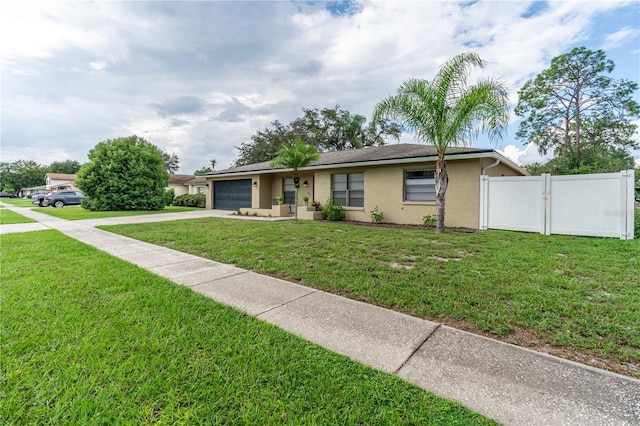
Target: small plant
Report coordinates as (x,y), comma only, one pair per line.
(317,206)
(306,200)
(238,212)
(279,199)
(333,211)
(246,213)
(169,195)
(376,215)
(429,220)
(255,214)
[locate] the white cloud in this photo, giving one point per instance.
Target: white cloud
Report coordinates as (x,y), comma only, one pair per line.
(200,78)
(619,37)
(528,155)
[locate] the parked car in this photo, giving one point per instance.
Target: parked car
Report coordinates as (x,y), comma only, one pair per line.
(38,198)
(63,198)
(35,194)
(7,195)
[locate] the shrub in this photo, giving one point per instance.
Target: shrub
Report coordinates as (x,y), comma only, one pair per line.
(190,200)
(333,211)
(429,220)
(376,215)
(169,195)
(124,174)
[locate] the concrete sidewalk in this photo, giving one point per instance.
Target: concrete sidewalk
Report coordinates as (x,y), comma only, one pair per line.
(508,383)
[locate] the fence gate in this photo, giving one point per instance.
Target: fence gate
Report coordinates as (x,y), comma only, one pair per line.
(599,205)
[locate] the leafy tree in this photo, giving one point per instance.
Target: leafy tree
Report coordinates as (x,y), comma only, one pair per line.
(205,170)
(21,174)
(329,129)
(446,111)
(67,166)
(171,162)
(295,156)
(576,110)
(124,174)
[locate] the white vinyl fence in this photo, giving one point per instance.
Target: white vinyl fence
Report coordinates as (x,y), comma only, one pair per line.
(600,205)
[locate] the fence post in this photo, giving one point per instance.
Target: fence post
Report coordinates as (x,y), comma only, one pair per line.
(484,202)
(627,204)
(546,204)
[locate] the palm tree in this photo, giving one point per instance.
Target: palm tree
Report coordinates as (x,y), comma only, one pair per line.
(447,112)
(295,156)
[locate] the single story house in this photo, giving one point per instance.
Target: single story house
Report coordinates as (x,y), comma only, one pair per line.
(187,184)
(397,179)
(57,181)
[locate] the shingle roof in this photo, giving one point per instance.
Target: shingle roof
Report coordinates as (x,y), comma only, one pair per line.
(62,176)
(370,154)
(180,179)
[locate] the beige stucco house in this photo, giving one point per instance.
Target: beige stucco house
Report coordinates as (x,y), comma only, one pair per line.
(187,184)
(57,181)
(398,179)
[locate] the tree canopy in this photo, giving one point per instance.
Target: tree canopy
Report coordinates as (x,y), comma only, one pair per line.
(124,174)
(21,174)
(446,111)
(577,111)
(70,167)
(171,162)
(328,129)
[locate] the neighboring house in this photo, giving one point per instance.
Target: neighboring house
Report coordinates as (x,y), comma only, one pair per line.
(187,184)
(398,179)
(57,181)
(24,192)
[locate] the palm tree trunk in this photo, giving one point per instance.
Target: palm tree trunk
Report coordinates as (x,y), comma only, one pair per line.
(442,180)
(295,204)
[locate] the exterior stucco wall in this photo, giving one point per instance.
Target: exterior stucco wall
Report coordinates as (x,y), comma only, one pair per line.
(180,189)
(384,188)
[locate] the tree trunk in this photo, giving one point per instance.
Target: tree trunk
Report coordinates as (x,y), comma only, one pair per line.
(442,180)
(295,205)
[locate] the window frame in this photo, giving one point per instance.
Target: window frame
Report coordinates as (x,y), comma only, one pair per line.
(427,186)
(349,191)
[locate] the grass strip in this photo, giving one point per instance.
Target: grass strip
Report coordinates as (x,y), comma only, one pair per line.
(573,293)
(18,202)
(89,339)
(78,213)
(8,217)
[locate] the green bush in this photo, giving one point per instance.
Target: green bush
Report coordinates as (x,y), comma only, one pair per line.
(169,195)
(376,215)
(333,211)
(429,220)
(124,174)
(190,200)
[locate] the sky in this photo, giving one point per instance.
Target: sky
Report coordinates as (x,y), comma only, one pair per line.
(199,78)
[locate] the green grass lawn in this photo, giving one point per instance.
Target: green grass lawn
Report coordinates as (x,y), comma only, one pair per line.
(18,202)
(580,295)
(8,217)
(78,213)
(89,339)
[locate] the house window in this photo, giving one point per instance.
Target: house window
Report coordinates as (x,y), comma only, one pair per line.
(288,191)
(201,190)
(419,185)
(348,189)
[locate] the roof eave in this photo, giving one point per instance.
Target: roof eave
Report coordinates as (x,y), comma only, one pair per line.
(423,159)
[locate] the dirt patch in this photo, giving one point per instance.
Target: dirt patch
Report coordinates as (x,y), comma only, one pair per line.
(405,225)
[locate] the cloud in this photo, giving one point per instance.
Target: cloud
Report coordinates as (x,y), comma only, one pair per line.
(620,37)
(179,106)
(528,155)
(200,78)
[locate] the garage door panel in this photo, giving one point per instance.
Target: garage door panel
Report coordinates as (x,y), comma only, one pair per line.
(232,194)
